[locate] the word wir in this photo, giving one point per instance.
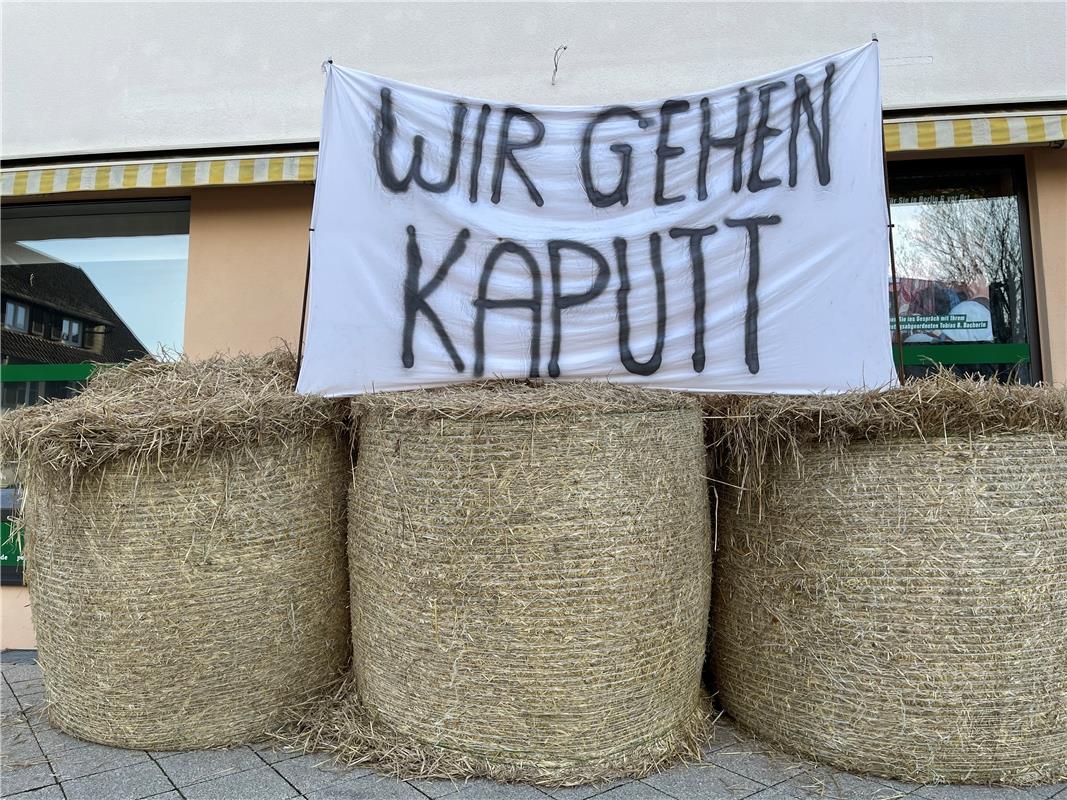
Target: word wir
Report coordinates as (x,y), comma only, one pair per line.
(529,133)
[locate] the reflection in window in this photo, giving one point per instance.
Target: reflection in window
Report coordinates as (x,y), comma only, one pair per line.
(72,332)
(16,316)
(93,282)
(961,267)
(23,393)
(84,284)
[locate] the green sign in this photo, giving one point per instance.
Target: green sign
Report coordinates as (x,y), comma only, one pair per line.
(10,537)
(965,353)
(22,373)
(10,545)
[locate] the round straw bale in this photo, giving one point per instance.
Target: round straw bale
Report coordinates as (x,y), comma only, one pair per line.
(530,568)
(185,550)
(896,604)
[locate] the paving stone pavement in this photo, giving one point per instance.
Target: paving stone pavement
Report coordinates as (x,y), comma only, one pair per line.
(38,762)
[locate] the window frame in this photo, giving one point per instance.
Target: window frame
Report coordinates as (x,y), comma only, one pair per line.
(42,322)
(69,324)
(131,205)
(1015,165)
(26,315)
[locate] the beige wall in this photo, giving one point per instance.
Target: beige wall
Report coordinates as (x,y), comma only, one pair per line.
(247,264)
(16,627)
(1047,170)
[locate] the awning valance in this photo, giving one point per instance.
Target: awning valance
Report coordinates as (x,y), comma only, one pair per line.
(984,130)
(905,135)
(171,173)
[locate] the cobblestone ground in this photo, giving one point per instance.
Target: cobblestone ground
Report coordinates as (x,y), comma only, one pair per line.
(40,763)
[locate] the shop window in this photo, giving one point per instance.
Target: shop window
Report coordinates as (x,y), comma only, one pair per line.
(964,269)
(85,284)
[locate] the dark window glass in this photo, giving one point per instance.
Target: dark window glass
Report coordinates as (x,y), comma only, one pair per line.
(964,275)
(102,282)
(16,316)
(72,332)
(23,393)
(85,284)
(11,558)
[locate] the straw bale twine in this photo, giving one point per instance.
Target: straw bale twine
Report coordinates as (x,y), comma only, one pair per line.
(185,550)
(530,571)
(897,604)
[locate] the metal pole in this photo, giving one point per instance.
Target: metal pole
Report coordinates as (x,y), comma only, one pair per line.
(307,282)
(896,291)
(899,345)
(303,314)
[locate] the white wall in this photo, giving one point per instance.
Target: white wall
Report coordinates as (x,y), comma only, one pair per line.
(100,77)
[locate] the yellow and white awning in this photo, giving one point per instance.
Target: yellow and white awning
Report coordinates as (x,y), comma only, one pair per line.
(906,135)
(174,173)
(944,133)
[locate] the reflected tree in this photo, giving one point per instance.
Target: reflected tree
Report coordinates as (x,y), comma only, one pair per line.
(966,242)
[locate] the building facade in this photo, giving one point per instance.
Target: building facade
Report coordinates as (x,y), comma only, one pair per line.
(159,161)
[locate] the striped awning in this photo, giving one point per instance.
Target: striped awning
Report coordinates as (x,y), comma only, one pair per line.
(172,173)
(932,133)
(944,133)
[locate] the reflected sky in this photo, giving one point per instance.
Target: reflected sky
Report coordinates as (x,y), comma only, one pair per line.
(142,277)
(907,219)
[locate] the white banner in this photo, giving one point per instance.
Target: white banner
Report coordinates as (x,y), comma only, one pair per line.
(727,241)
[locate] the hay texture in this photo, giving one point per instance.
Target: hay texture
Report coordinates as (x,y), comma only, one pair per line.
(530,569)
(891,595)
(185,550)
